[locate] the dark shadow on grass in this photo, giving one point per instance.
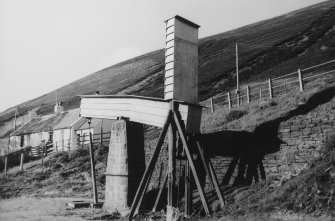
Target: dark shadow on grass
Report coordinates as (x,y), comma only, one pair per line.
(249,148)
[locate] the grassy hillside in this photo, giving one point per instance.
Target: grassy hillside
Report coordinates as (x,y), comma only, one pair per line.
(302,38)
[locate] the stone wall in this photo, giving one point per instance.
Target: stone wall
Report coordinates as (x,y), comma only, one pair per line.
(301,138)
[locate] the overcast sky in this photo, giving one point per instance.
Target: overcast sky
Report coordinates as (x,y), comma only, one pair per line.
(45,44)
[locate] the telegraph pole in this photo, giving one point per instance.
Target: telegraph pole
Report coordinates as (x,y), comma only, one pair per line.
(237,79)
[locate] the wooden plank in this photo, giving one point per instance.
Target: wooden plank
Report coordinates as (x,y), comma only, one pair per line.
(181,131)
(188,191)
(211,173)
(95,195)
(150,166)
(159,194)
(171,163)
(143,193)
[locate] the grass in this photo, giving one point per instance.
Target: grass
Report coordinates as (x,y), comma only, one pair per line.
(143,75)
(312,191)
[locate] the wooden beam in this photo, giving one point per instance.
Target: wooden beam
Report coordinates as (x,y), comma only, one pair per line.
(159,194)
(95,195)
(171,161)
(143,193)
(150,166)
(211,173)
(188,191)
(181,131)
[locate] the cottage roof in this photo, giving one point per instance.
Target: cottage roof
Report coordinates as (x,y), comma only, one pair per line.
(68,120)
(40,124)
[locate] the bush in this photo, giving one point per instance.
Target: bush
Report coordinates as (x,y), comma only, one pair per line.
(235,114)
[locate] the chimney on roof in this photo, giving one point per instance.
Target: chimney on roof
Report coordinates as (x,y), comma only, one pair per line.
(58,108)
(31,115)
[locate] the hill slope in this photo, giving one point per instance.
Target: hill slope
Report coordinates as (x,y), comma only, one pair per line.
(302,38)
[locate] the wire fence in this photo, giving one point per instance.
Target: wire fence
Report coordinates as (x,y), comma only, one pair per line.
(299,81)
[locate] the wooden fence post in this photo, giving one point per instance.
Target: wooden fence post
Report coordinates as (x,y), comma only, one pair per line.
(301,86)
(212,105)
(248,94)
(6,165)
(21,161)
(270,89)
(238,98)
(229,100)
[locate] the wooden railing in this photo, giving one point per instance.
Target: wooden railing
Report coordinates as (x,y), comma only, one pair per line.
(299,81)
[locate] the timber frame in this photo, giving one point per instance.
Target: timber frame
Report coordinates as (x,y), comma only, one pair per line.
(173,125)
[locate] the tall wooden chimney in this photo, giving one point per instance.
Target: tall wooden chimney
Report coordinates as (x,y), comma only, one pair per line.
(181,60)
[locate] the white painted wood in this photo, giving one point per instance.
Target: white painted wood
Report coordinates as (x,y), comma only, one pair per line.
(168,95)
(168,88)
(170,37)
(169,51)
(169,73)
(169,66)
(169,44)
(170,22)
(151,112)
(169,80)
(170,29)
(169,58)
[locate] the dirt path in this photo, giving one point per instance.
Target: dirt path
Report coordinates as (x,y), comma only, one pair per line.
(42,209)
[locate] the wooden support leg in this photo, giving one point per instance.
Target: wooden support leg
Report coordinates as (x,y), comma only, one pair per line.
(143,193)
(151,166)
(95,195)
(159,194)
(21,161)
(171,165)
(181,131)
(188,191)
(211,173)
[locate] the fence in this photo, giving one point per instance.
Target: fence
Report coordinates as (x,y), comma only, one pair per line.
(300,80)
(65,145)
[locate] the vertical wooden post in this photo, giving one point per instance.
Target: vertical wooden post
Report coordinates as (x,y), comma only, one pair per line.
(238,98)
(248,94)
(301,86)
(21,161)
(83,141)
(101,131)
(229,100)
(237,77)
(95,195)
(270,89)
(188,191)
(6,165)
(171,163)
(212,105)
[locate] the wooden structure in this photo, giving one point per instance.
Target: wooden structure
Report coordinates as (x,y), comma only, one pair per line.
(178,114)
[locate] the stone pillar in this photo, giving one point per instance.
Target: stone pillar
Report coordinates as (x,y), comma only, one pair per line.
(125,165)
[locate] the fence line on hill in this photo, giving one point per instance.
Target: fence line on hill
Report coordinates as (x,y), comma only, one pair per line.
(301,79)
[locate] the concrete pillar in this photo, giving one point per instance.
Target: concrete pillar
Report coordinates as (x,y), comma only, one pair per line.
(125,165)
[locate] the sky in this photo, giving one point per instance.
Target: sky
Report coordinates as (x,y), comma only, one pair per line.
(46,44)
